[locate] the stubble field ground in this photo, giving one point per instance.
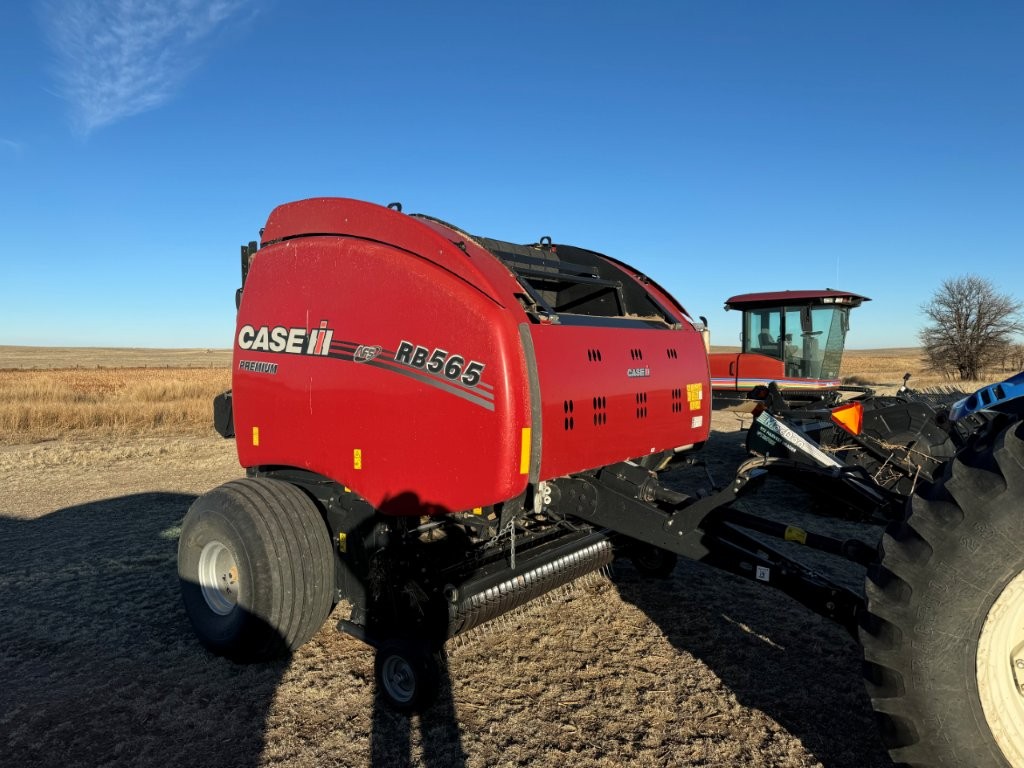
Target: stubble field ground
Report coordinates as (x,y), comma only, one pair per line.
(99,666)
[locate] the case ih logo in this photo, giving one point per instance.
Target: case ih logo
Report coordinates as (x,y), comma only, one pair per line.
(638,373)
(293,341)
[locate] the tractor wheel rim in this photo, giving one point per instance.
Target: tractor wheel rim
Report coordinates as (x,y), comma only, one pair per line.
(398,679)
(218,578)
(1000,670)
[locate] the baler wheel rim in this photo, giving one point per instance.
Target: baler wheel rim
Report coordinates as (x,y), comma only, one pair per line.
(398,678)
(218,578)
(408,675)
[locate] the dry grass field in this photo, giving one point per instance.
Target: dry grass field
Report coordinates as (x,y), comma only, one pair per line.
(115,402)
(885,367)
(46,394)
(55,358)
(99,462)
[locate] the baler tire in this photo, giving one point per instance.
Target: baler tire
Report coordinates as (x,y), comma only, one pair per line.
(943,634)
(408,675)
(256,569)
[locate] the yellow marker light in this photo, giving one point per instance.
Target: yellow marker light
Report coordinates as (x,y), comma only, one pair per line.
(478,510)
(357,458)
(524,452)
(343,542)
(850,417)
(256,436)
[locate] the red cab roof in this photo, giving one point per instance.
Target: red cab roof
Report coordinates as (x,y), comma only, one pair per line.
(788,298)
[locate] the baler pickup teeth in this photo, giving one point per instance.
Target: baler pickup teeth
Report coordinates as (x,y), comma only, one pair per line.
(483,597)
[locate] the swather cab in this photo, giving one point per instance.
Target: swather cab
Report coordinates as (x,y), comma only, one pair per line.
(792,338)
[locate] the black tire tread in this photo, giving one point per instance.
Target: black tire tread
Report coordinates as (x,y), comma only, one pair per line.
(940,518)
(306,546)
(292,535)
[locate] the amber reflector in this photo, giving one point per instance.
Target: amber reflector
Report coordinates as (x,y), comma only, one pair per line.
(850,417)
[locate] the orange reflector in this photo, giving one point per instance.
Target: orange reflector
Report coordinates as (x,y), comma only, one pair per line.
(524,452)
(850,417)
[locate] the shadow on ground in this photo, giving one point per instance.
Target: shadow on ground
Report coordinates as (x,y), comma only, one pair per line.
(100,666)
(391,740)
(775,656)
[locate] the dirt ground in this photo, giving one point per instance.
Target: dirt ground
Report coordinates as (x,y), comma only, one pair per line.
(99,667)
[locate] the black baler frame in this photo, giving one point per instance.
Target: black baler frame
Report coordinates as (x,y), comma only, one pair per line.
(630,500)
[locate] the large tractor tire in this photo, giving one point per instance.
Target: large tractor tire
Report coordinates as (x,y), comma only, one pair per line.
(943,635)
(256,569)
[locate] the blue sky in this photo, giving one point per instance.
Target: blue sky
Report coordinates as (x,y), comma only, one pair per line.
(720,147)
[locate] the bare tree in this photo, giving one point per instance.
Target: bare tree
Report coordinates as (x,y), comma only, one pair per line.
(1017,357)
(971,326)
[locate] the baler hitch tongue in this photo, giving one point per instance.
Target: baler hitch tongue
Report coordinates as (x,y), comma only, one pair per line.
(787,451)
(631,501)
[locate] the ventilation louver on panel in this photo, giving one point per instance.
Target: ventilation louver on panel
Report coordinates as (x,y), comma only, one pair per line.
(641,405)
(677,401)
(568,407)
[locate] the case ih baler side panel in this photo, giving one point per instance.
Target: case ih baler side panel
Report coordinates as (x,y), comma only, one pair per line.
(404,382)
(343,216)
(610,394)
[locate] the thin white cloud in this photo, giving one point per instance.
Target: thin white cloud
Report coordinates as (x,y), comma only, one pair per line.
(117,58)
(12,146)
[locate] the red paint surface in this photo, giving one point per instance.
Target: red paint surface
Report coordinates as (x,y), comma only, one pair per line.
(426,442)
